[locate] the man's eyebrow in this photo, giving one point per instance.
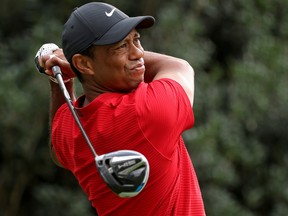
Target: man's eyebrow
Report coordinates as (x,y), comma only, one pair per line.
(136,34)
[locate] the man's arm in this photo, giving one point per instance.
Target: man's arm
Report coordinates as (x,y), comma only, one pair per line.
(56,95)
(160,66)
(56,101)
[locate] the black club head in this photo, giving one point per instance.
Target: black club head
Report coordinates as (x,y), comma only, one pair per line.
(125,172)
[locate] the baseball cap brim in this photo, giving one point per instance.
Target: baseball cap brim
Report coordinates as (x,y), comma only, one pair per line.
(120,30)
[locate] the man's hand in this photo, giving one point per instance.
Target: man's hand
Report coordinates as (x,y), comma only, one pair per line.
(48,59)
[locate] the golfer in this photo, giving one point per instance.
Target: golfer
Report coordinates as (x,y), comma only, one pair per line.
(132,99)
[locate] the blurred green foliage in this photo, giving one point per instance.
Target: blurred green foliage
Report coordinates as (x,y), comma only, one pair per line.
(239,51)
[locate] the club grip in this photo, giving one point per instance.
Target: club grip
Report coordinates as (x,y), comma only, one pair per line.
(56,70)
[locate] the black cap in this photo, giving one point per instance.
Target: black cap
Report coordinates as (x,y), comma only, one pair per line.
(99,24)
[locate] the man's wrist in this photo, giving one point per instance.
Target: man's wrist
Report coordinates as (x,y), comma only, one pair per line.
(53,79)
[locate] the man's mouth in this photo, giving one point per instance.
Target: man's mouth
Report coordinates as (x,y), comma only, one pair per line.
(138,67)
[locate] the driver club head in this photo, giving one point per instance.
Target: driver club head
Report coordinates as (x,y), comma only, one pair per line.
(125,172)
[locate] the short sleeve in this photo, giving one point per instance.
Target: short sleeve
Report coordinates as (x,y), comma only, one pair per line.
(164,113)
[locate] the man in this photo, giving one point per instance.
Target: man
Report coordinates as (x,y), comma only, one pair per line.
(120,111)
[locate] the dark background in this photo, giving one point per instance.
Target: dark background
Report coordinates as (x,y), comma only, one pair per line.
(239,143)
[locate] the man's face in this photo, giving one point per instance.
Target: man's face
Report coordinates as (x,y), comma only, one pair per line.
(120,66)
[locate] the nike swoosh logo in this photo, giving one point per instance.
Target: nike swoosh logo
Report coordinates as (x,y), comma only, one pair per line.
(111,13)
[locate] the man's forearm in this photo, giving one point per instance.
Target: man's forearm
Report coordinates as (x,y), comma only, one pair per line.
(151,67)
(56,97)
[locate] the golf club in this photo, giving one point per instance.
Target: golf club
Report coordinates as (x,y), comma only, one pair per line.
(125,172)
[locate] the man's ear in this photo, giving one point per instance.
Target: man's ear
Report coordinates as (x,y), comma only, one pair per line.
(82,64)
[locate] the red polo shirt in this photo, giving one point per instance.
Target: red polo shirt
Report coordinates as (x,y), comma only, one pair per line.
(149,120)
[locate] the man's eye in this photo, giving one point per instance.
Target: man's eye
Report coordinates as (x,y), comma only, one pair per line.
(137,40)
(122,46)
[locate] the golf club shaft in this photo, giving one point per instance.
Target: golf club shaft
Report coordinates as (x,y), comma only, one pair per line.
(58,75)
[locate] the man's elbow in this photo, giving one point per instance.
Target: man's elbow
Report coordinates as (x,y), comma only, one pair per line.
(187,67)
